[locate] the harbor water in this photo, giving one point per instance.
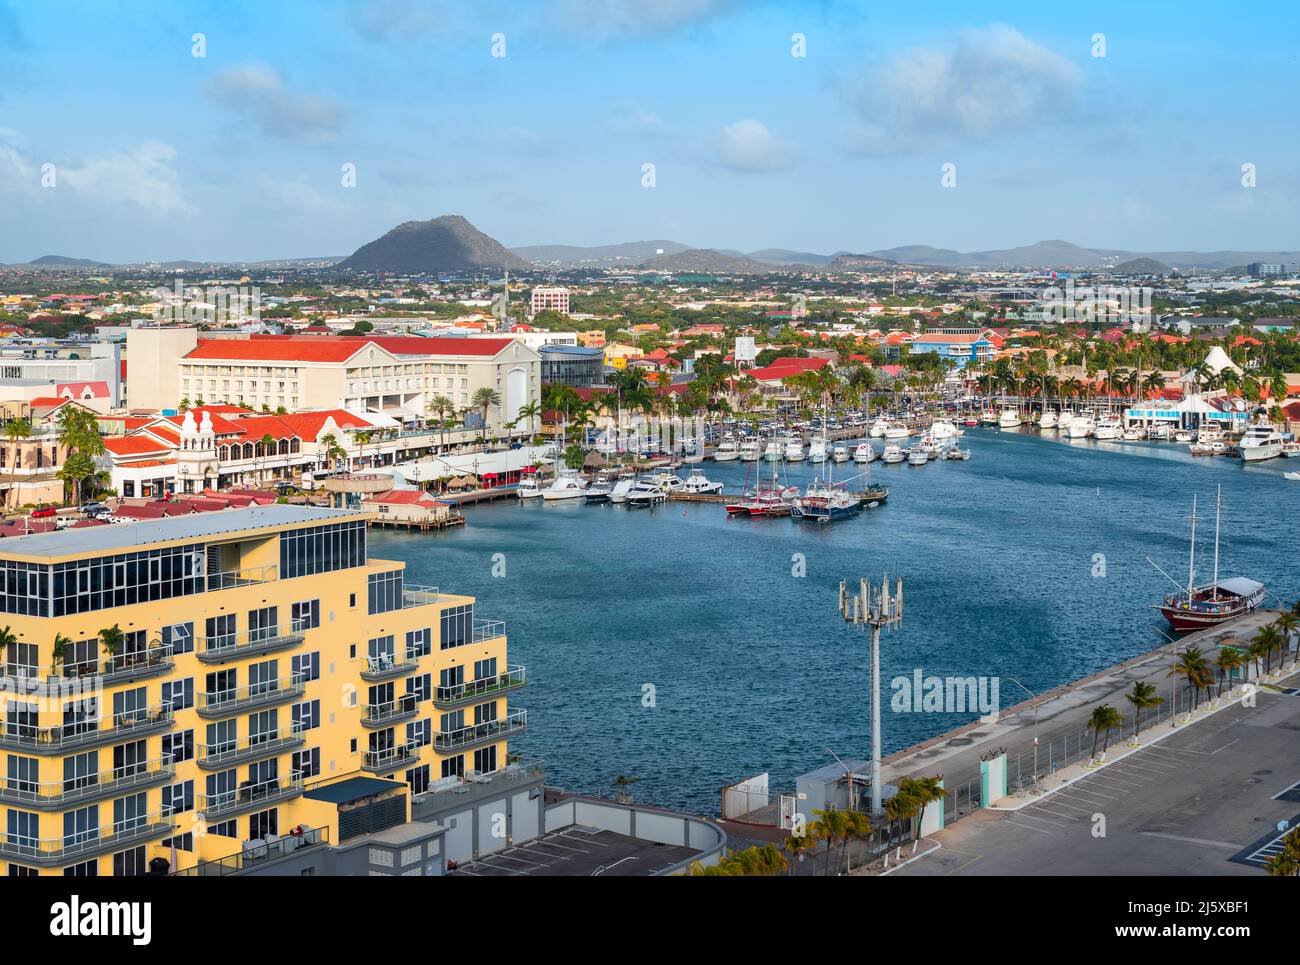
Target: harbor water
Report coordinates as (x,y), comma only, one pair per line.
(692,650)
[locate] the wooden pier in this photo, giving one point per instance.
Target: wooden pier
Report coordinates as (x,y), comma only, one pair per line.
(420,525)
(697,497)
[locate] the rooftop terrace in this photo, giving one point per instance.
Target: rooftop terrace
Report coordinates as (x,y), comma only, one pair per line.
(200,526)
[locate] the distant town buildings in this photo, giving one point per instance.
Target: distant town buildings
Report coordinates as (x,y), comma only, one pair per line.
(549,300)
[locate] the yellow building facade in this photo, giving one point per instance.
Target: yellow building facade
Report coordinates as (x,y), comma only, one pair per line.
(177,688)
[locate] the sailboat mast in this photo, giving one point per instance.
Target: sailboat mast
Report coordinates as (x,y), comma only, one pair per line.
(1191,556)
(1218,500)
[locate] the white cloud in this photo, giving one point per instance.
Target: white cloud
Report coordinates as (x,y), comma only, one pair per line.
(623,19)
(144,176)
(636,120)
(748,147)
(257,93)
(984,87)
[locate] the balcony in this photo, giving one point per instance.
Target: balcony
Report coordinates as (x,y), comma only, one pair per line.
(249,576)
(480,735)
(446,698)
(488,630)
(386,666)
(228,703)
(82,790)
(213,757)
(249,797)
(415,594)
(256,855)
(392,712)
(382,762)
(84,734)
(472,788)
(50,852)
(222,648)
(135,665)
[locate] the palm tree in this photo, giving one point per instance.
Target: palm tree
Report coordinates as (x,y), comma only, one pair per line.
(1143,696)
(1286,863)
(528,414)
(1104,719)
(265,445)
(831,827)
(899,809)
(440,405)
(1228,660)
(624,782)
(923,791)
(1287,624)
(1270,641)
(797,846)
(110,640)
(14,430)
(856,828)
(1191,666)
(485,398)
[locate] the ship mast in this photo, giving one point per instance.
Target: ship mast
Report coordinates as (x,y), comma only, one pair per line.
(1218,500)
(1191,556)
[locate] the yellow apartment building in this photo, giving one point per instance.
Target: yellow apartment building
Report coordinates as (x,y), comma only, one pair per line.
(195,694)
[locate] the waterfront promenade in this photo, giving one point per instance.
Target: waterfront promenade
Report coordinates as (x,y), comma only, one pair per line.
(1062,717)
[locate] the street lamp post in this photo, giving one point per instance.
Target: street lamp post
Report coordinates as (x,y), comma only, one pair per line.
(1034,697)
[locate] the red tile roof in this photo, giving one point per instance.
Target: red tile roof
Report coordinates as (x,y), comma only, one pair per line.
(403,497)
(133,445)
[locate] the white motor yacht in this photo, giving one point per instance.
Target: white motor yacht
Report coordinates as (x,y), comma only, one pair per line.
(1261,441)
(918,456)
(896,430)
(529,487)
(727,451)
(667,481)
(892,454)
(1108,426)
(1081,425)
(565,486)
(750,450)
(840,454)
(621,488)
(1009,418)
(1048,419)
(697,484)
(794,451)
(773,452)
(878,428)
(644,492)
(864,453)
(943,430)
(817,450)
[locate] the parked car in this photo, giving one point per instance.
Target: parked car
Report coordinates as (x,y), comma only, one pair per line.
(44,512)
(93,507)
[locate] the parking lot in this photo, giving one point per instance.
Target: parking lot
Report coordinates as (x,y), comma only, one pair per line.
(578,851)
(1203,801)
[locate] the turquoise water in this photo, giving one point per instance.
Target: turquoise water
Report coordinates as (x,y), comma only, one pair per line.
(752,668)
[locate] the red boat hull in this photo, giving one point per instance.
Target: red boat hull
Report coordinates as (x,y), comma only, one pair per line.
(1184,620)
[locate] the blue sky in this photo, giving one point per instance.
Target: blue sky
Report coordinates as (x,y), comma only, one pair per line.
(159,154)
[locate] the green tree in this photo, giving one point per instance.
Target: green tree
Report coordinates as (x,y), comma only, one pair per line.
(1143,696)
(486,398)
(15,430)
(1104,719)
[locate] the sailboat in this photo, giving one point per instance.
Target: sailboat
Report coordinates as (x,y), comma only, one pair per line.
(1215,602)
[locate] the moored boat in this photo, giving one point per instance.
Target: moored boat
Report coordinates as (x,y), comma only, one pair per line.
(1215,602)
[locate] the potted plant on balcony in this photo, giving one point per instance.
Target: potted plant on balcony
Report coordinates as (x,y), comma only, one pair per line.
(60,653)
(110,640)
(7,640)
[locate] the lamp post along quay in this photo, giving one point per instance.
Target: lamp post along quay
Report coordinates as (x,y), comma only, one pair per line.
(873,607)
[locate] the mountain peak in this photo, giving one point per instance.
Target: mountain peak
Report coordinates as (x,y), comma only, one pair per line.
(447,243)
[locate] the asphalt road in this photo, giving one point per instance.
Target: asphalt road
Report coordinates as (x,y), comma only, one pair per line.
(1204,801)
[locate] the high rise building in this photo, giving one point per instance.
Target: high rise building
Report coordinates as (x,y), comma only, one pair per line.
(549,300)
(189,693)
